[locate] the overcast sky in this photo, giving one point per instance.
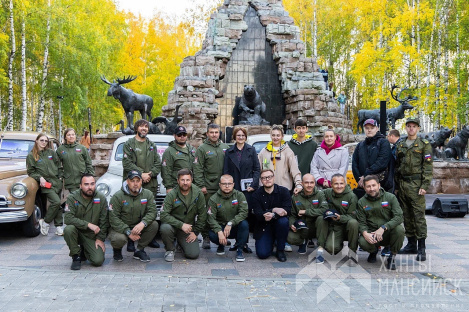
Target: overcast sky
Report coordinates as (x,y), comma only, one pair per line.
(147,7)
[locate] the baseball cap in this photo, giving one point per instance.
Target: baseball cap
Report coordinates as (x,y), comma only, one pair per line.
(370,122)
(134,173)
(415,120)
(330,213)
(300,225)
(180,129)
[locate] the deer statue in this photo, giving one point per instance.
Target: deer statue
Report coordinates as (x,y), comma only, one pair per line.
(392,114)
(130,100)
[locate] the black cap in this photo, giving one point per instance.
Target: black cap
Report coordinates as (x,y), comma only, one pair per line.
(134,173)
(300,225)
(180,129)
(330,213)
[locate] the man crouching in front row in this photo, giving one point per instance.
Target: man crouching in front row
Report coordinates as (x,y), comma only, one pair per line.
(380,221)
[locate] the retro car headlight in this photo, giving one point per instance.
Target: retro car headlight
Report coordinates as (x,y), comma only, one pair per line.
(19,190)
(103,188)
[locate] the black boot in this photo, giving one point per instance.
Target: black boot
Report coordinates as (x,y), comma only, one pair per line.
(421,255)
(391,262)
(82,254)
(410,248)
(130,245)
(76,262)
(154,243)
(372,257)
(118,254)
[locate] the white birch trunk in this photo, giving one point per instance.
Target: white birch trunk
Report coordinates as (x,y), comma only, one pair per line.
(429,62)
(40,110)
(52,118)
(24,99)
(9,126)
(446,67)
(315,32)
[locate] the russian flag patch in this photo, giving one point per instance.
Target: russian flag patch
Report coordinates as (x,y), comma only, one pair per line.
(428,156)
(143,201)
(384,204)
(234,202)
(78,150)
(344,203)
(50,157)
(315,201)
(97,201)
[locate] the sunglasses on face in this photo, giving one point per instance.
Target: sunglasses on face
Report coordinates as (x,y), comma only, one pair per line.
(181,134)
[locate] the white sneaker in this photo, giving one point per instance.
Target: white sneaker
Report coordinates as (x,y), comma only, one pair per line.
(44,227)
(169,256)
(59,231)
(288,247)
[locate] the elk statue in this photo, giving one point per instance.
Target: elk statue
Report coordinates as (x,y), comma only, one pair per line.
(130,100)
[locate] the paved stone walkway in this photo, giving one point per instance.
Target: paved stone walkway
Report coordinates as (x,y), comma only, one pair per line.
(35,275)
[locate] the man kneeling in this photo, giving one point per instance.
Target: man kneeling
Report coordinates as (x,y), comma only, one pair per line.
(132,214)
(227,213)
(380,217)
(181,206)
(87,223)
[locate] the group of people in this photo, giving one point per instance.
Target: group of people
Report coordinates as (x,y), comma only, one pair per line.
(288,194)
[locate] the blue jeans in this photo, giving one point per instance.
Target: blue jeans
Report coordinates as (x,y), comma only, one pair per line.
(275,230)
(240,232)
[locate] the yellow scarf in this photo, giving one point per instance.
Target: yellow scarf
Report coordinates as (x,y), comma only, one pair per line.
(270,148)
(295,136)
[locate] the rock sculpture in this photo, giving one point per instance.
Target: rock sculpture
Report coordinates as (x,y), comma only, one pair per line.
(249,108)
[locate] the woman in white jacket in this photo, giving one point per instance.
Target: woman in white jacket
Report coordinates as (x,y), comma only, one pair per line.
(330,158)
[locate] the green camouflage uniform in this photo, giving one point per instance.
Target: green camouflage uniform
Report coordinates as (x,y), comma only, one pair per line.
(414,171)
(315,206)
(177,210)
(144,157)
(224,208)
(80,211)
(126,211)
(176,158)
(347,226)
(48,166)
(76,161)
(372,213)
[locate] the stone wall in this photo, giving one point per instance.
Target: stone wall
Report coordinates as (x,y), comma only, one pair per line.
(450,177)
(101,149)
(303,87)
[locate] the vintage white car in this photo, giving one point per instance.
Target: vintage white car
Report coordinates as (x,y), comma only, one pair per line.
(112,180)
(21,200)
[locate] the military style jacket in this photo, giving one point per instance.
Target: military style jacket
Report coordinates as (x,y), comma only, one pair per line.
(208,164)
(314,204)
(224,208)
(414,163)
(76,161)
(178,210)
(127,210)
(372,213)
(176,158)
(345,203)
(80,211)
(47,166)
(147,160)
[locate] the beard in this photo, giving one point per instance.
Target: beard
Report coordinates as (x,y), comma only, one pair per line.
(142,135)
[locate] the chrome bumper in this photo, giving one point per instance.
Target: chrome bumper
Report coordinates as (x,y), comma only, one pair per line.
(13,216)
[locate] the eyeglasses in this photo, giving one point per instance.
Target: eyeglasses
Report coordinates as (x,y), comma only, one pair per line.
(181,134)
(42,140)
(267,178)
(226,184)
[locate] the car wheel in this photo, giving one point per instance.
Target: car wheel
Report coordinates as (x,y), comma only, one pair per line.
(31,226)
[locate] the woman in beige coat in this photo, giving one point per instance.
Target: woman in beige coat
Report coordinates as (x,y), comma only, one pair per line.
(330,158)
(278,156)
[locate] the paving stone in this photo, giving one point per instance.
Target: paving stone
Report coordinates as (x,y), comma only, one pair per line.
(219,259)
(159,266)
(51,247)
(40,257)
(449,256)
(462,242)
(224,272)
(286,264)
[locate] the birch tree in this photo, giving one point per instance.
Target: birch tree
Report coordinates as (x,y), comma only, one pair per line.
(24,99)
(45,66)
(9,126)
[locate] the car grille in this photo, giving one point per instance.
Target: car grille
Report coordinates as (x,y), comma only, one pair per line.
(4,202)
(159,203)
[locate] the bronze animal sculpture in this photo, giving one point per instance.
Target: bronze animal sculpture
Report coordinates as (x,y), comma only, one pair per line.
(437,139)
(456,147)
(392,114)
(249,109)
(130,100)
(170,124)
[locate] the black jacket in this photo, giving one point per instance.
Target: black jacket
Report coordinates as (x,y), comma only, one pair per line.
(371,156)
(264,202)
(247,168)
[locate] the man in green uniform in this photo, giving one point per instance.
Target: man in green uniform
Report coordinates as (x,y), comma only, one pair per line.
(341,219)
(414,172)
(179,155)
(86,216)
(379,216)
(178,217)
(142,154)
(227,213)
(308,206)
(208,168)
(132,214)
